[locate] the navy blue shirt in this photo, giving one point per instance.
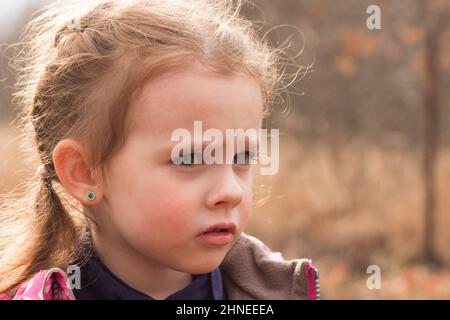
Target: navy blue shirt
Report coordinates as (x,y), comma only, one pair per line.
(99,283)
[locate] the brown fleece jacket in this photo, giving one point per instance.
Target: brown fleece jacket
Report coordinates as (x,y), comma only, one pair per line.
(251,271)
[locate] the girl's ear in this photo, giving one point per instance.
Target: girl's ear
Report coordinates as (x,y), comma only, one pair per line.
(73,170)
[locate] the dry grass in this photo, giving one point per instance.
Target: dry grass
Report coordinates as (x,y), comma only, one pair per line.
(346,209)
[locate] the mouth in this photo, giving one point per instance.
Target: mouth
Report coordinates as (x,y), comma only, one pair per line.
(218,235)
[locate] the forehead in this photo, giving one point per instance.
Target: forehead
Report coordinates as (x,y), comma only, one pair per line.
(175,100)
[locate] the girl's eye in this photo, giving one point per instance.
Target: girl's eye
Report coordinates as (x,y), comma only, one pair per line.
(188,159)
(244,158)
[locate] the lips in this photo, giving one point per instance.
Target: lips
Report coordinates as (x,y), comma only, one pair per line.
(220,234)
(220,228)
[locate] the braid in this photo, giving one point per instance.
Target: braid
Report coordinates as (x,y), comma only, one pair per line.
(55,230)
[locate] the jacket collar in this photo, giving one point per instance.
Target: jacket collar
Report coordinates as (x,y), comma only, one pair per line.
(251,270)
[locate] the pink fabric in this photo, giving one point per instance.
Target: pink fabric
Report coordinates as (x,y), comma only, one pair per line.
(44,285)
(312,287)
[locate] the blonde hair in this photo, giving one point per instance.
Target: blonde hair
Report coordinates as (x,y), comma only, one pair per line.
(78,66)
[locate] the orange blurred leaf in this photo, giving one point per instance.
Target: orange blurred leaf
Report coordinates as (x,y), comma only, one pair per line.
(358,43)
(411,34)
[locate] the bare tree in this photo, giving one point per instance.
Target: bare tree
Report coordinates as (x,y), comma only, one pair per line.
(436,22)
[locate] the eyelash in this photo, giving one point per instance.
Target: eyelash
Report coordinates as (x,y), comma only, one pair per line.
(248,157)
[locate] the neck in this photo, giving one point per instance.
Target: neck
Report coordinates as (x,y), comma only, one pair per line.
(138,272)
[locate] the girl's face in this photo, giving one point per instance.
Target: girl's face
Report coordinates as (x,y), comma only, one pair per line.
(156,209)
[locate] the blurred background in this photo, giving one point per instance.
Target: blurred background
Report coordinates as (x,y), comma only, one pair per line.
(364,142)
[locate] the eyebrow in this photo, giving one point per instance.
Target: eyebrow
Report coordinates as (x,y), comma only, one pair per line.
(205,143)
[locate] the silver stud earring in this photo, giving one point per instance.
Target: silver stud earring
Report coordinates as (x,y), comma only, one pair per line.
(91,195)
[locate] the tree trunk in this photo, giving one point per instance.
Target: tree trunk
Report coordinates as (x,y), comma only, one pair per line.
(431,113)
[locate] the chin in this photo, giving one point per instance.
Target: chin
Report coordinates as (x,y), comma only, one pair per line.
(204,264)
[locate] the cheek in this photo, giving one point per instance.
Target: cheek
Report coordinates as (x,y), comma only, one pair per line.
(167,209)
(246,205)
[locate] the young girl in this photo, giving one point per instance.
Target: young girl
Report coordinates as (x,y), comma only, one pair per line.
(101,88)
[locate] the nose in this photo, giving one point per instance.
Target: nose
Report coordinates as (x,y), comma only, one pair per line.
(225,190)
